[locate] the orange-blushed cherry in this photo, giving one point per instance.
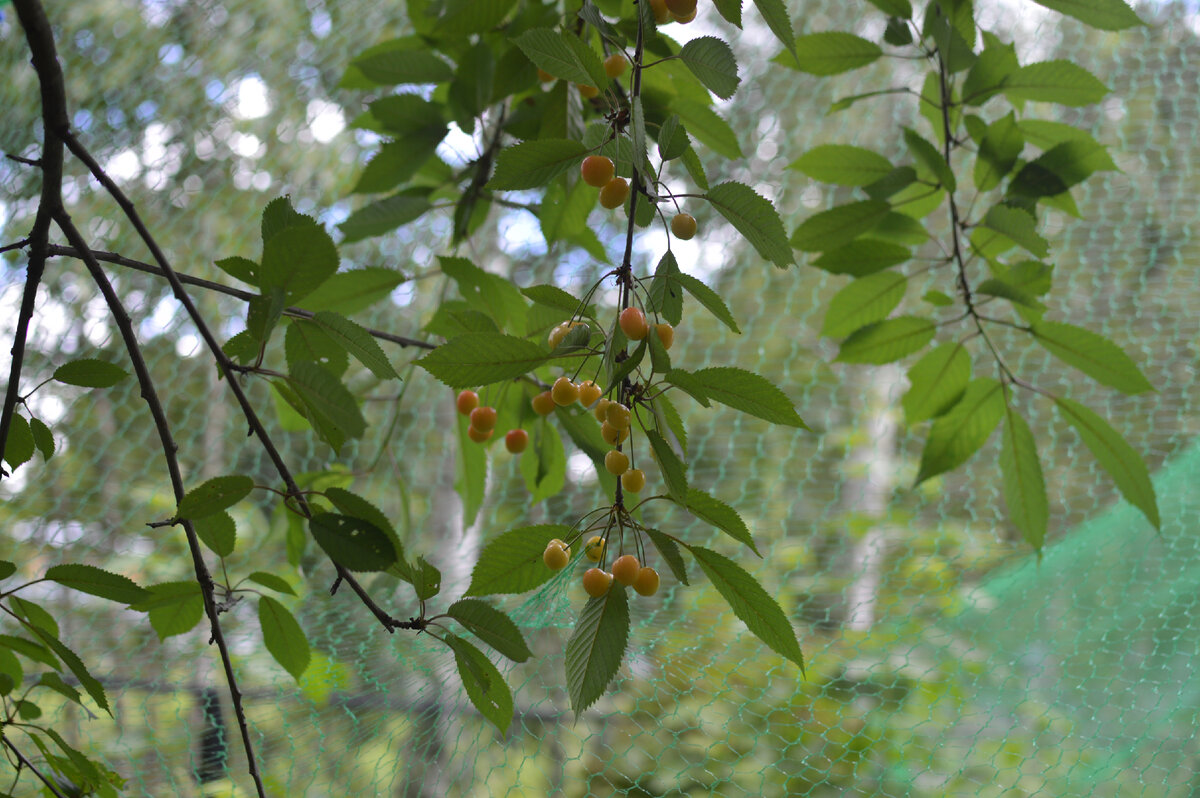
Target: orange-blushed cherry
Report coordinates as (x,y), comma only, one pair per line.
(616,463)
(633,480)
(543,403)
(516,440)
(614,65)
(683,226)
(544,76)
(666,334)
(564,391)
(681,8)
(484,418)
(557,555)
(614,193)
(633,324)
(600,411)
(586,91)
(478,435)
(617,415)
(612,435)
(595,548)
(625,569)
(597,170)
(646,582)
(596,582)
(466,402)
(589,392)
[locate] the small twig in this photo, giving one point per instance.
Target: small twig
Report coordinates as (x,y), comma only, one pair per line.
(15,245)
(25,762)
(27,161)
(55,250)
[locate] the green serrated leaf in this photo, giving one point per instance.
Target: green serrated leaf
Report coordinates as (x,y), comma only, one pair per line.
(399,62)
(755,218)
(838,226)
(1102,14)
(329,406)
(750,602)
(1116,456)
(716,512)
(217,531)
(673,470)
(426,579)
(1018,226)
(710,129)
(666,291)
(397,161)
(862,257)
(272,582)
(832,53)
(76,666)
(214,496)
(358,342)
(174,608)
(297,260)
(669,550)
(960,433)
(563,55)
(477,359)
(672,139)
(887,341)
(532,164)
(865,301)
(306,340)
(709,298)
(843,165)
(43,438)
(20,445)
(97,582)
(927,155)
(894,8)
(353,543)
(750,393)
(712,62)
(491,626)
(35,614)
(7,569)
(29,649)
(596,647)
(1058,81)
(383,216)
(239,268)
(1024,485)
(353,505)
(1061,167)
(544,464)
(283,636)
(1003,290)
(90,373)
(483,682)
(512,562)
(1093,354)
(937,381)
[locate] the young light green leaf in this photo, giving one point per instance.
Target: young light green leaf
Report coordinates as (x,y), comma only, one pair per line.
(711,60)
(1002,289)
(43,438)
(894,8)
(215,495)
(532,164)
(719,514)
(832,53)
(887,341)
(544,464)
(97,582)
(470,478)
(358,342)
(695,168)
(1102,14)
(351,291)
(554,297)
(1017,225)
(775,14)
(666,290)
(748,392)
(353,543)
(272,582)
(937,381)
(838,226)
(708,128)
(397,63)
(862,257)
(1002,145)
(750,602)
(1024,485)
(512,562)
(461,18)
(843,165)
(939,299)
(660,361)
(1093,354)
(483,682)
(76,666)
(1116,456)
(927,155)
(283,636)
(564,56)
(383,216)
(1055,82)
(397,161)
(755,218)
(174,608)
(960,433)
(709,298)
(217,531)
(864,301)
(20,446)
(90,373)
(673,470)
(477,359)
(988,73)
(669,550)
(596,647)
(491,626)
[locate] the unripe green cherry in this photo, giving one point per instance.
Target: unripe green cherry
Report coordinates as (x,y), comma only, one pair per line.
(564,392)
(597,170)
(633,324)
(633,480)
(616,463)
(625,569)
(646,582)
(596,582)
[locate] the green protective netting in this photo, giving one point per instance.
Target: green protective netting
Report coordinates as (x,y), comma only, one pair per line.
(944,659)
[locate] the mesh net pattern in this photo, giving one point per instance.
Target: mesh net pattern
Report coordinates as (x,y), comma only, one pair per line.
(944,659)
